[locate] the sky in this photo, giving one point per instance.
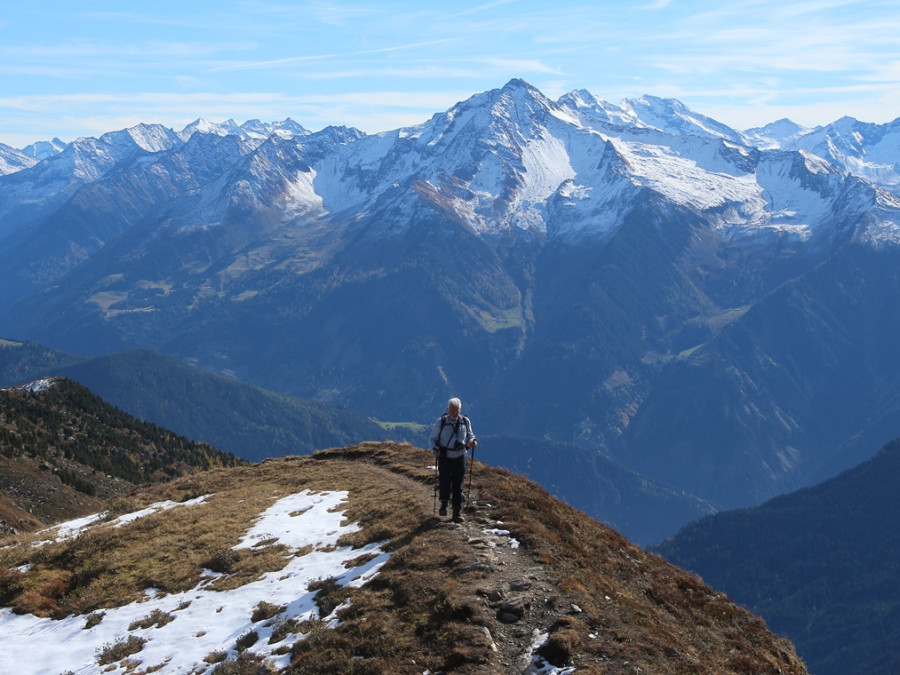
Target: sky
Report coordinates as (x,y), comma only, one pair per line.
(73,69)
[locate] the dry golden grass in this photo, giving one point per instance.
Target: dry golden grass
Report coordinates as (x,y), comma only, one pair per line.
(422,611)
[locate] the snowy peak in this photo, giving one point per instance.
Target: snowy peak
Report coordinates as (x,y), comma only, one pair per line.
(12,160)
(504,116)
(150,137)
(508,159)
(780,134)
(253,130)
(597,110)
(871,151)
(44,149)
(227,128)
(672,116)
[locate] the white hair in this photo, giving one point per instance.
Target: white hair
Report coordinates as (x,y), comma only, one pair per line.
(454,403)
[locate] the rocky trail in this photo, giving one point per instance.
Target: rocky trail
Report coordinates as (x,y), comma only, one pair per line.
(521,597)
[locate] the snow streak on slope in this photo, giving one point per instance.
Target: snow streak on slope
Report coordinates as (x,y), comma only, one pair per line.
(74,528)
(204,621)
(683,181)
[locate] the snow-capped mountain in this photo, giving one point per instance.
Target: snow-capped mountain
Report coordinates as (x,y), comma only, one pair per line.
(250,130)
(12,160)
(871,151)
(44,149)
(780,134)
(545,161)
(592,257)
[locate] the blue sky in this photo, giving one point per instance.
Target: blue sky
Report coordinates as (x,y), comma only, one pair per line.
(71,69)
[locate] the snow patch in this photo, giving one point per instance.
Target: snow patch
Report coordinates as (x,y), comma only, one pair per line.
(74,528)
(203,621)
(34,387)
(538,665)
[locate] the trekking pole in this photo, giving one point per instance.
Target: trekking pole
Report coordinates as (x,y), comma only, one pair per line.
(434,504)
(471,467)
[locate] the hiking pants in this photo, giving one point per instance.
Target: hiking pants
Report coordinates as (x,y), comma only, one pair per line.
(451,475)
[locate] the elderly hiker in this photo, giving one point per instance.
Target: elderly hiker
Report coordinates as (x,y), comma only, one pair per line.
(451,437)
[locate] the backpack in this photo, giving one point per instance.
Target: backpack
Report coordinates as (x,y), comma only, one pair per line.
(444,422)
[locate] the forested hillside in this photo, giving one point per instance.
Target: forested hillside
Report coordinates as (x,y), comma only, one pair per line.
(63,450)
(819,565)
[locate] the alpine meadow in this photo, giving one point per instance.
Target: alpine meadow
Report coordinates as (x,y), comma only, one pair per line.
(652,316)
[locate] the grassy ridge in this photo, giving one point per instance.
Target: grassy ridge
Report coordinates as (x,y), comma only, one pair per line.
(430,607)
(64,451)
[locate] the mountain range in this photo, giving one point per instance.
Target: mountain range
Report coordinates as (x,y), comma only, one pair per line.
(708,307)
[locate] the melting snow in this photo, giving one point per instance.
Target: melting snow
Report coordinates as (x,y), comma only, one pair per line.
(204,621)
(74,528)
(37,386)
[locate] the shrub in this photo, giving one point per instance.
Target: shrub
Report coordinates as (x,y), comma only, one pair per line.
(246,640)
(112,653)
(265,610)
(329,595)
(221,560)
(282,628)
(93,619)
(244,664)
(156,618)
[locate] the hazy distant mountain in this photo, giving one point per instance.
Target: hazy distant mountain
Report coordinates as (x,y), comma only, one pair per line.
(643,510)
(44,149)
(819,564)
(637,279)
(12,160)
(224,412)
(256,425)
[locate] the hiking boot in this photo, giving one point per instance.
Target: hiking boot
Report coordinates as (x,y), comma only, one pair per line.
(457,518)
(443,511)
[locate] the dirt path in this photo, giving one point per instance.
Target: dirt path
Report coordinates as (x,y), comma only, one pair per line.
(519,595)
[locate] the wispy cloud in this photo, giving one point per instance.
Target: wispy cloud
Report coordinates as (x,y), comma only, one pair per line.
(218,60)
(291,60)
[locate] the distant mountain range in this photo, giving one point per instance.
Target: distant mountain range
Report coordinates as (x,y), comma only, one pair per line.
(228,414)
(819,565)
(711,308)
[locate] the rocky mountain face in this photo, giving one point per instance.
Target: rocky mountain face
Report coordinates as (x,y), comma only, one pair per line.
(707,306)
(338,563)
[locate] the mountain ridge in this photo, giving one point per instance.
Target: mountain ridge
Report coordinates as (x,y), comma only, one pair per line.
(521,562)
(64,451)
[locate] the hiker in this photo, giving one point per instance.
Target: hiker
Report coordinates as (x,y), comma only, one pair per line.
(451,437)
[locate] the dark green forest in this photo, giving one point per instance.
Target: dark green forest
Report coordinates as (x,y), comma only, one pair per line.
(67,421)
(820,565)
